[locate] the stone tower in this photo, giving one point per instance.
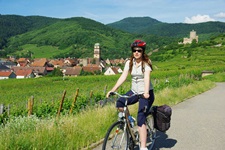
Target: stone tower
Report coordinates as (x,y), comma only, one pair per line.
(97,53)
(193,36)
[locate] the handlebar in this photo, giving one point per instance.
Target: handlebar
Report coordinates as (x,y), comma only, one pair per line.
(124,96)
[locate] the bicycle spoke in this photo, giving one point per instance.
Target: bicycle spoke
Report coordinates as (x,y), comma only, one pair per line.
(116,137)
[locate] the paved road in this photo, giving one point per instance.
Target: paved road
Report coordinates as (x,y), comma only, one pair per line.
(197,123)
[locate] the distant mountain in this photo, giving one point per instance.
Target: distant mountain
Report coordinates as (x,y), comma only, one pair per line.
(75,37)
(11,25)
(134,24)
(147,25)
(71,37)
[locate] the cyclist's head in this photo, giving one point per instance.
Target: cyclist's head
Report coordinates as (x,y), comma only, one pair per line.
(138,43)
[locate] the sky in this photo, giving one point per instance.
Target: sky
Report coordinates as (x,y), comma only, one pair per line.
(109,11)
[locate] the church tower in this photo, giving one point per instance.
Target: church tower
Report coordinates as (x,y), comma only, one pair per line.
(97,53)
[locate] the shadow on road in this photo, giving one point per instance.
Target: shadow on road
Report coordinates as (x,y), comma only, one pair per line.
(163,141)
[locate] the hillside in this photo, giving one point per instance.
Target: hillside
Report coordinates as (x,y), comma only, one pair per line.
(72,37)
(134,24)
(209,55)
(11,25)
(75,37)
(147,25)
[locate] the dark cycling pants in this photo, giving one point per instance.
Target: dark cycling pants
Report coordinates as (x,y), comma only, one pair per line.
(144,105)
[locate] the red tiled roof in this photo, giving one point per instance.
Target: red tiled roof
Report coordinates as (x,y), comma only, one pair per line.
(39,62)
(57,62)
(22,60)
(39,70)
(5,73)
(23,72)
(73,70)
(49,68)
(115,70)
(91,68)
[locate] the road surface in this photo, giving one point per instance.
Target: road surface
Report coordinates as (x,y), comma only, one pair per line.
(197,123)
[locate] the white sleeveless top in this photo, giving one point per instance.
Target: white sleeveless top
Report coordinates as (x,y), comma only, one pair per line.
(137,75)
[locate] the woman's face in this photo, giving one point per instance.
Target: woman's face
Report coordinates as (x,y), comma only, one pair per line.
(137,52)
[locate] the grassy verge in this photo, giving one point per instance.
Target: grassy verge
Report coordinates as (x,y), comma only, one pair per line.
(218,77)
(81,130)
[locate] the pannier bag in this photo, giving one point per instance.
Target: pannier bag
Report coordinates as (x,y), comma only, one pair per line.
(162,117)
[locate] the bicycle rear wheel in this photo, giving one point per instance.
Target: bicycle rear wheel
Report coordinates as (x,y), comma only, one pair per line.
(151,131)
(116,138)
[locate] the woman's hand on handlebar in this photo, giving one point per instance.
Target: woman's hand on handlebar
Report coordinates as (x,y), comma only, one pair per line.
(108,94)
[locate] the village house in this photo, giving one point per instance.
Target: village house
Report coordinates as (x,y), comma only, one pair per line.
(21,74)
(119,70)
(42,62)
(71,62)
(7,75)
(4,68)
(38,71)
(22,62)
(85,61)
(112,71)
(107,61)
(92,68)
(57,63)
(72,71)
(38,67)
(9,64)
(39,62)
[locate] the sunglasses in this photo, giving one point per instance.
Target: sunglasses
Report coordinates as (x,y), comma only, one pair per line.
(139,51)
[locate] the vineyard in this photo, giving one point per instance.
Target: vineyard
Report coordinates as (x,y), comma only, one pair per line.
(48,93)
(88,125)
(67,113)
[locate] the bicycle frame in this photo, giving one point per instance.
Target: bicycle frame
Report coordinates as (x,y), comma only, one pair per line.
(120,135)
(125,115)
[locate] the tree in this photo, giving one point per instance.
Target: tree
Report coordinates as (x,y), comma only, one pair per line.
(57,72)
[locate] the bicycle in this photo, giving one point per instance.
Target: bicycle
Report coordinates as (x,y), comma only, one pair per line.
(122,136)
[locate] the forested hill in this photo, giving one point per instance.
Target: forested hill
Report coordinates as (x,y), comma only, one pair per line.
(74,37)
(147,25)
(11,25)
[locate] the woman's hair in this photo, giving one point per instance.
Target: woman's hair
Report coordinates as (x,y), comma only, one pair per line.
(145,59)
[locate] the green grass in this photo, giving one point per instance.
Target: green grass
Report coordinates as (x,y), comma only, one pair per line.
(81,130)
(218,77)
(90,125)
(41,51)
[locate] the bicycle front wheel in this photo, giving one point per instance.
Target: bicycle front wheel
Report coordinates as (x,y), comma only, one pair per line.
(116,137)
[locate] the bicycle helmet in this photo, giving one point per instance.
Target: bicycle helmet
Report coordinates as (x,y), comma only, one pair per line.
(138,43)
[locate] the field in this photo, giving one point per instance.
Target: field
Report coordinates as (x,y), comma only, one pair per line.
(31,50)
(181,67)
(89,126)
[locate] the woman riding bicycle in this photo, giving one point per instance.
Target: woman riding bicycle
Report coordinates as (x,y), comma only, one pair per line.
(140,67)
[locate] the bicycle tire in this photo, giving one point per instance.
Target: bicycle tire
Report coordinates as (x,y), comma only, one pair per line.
(151,131)
(116,137)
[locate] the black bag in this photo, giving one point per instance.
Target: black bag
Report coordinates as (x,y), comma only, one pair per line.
(162,117)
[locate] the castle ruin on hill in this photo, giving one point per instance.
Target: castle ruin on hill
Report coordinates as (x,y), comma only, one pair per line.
(193,36)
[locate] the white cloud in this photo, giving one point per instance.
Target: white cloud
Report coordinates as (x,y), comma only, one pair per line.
(220,15)
(198,19)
